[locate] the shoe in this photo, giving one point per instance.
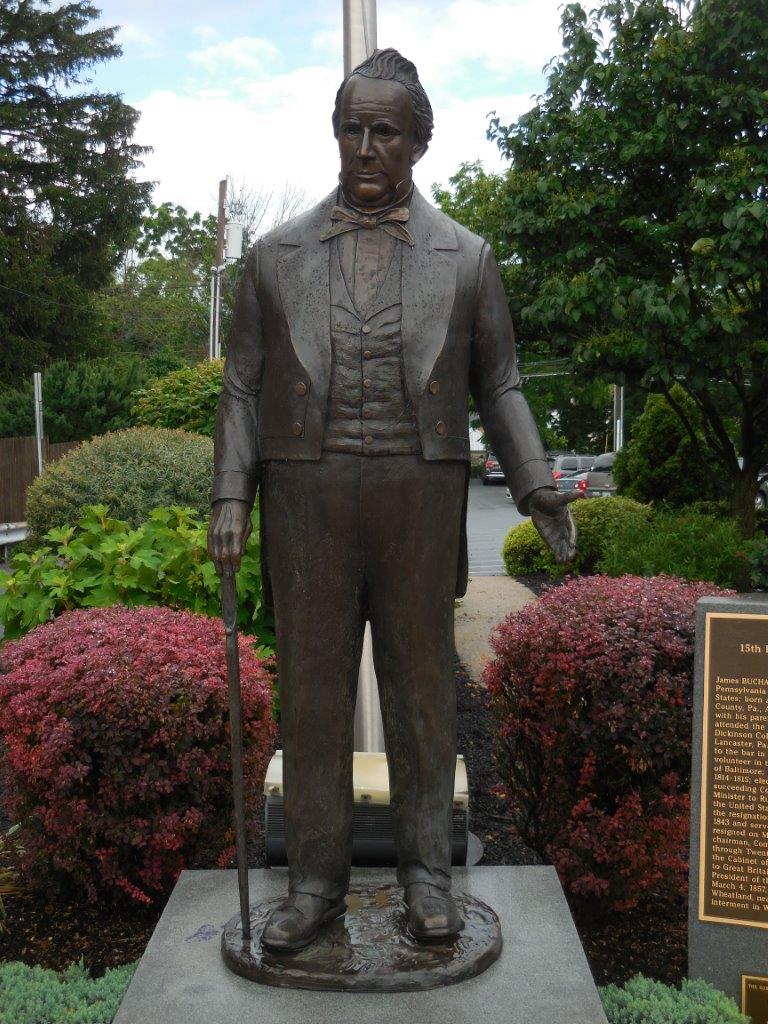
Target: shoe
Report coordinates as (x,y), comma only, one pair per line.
(295,923)
(432,913)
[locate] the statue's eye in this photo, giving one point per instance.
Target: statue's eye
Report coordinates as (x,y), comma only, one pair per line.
(351,129)
(384,129)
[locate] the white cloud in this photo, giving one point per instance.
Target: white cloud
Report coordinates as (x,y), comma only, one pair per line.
(505,36)
(245,53)
(280,134)
(130,33)
(205,32)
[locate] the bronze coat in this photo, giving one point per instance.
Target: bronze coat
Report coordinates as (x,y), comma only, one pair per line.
(457,338)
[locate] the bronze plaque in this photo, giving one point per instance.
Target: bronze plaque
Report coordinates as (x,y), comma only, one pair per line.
(754,997)
(733,868)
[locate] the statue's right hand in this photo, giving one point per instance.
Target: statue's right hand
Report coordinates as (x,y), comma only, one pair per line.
(228,532)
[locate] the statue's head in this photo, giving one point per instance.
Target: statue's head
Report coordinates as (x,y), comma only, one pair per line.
(383,123)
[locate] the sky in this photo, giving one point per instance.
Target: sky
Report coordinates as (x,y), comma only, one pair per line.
(246,89)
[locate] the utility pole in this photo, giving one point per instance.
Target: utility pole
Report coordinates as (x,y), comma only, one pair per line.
(359,43)
(214,340)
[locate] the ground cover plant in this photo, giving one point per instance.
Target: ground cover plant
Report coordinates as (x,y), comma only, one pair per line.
(33,995)
(103,561)
(643,1001)
(114,724)
(592,688)
(131,471)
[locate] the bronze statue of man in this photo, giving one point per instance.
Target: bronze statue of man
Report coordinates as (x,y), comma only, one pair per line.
(359,331)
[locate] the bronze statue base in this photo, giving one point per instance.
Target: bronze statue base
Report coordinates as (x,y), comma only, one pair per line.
(368,950)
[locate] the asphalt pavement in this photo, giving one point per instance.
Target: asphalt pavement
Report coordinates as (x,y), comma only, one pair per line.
(490,516)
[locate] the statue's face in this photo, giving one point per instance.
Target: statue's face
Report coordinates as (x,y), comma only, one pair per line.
(376,141)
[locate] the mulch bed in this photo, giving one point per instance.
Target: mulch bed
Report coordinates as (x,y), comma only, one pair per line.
(54,931)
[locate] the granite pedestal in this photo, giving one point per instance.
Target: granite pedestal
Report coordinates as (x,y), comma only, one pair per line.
(542,976)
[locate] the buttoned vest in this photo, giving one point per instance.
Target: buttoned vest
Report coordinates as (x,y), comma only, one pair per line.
(369,411)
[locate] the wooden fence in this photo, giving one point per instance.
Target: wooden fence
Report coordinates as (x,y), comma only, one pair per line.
(18,468)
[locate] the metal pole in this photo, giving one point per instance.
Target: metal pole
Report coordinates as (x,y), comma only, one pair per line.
(229,613)
(359,32)
(618,417)
(217,318)
(37,385)
(359,43)
(212,317)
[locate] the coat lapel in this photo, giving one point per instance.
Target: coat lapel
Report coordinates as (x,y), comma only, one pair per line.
(428,284)
(429,288)
(304,284)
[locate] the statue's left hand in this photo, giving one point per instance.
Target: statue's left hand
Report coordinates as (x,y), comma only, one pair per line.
(552,518)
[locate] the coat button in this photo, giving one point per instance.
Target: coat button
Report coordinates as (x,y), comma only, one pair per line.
(300,388)
(440,427)
(366,328)
(297,430)
(368,439)
(434,387)
(367,354)
(367,382)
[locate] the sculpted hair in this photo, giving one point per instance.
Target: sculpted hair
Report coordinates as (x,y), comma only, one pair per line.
(393,67)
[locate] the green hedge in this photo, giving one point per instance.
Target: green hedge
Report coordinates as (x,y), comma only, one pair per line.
(131,471)
(33,995)
(186,399)
(689,545)
(642,1001)
(524,551)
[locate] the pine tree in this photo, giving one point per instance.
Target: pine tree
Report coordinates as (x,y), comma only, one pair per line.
(68,202)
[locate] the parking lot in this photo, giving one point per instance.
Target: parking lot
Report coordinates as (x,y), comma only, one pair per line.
(490,515)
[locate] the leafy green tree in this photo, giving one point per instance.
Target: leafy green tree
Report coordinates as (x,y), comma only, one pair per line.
(571,412)
(636,210)
(660,463)
(159,300)
(69,201)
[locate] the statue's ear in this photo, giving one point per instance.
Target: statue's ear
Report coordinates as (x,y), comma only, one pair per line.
(417,152)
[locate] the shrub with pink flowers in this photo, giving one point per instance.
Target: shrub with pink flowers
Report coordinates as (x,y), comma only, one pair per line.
(592,686)
(115,727)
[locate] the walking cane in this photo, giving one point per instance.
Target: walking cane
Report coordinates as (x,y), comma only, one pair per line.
(229,613)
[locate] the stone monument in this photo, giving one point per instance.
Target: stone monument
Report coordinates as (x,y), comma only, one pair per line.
(728,900)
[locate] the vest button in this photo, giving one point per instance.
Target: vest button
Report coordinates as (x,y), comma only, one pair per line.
(297,430)
(367,413)
(367,354)
(440,427)
(300,388)
(367,382)
(368,439)
(434,387)
(366,328)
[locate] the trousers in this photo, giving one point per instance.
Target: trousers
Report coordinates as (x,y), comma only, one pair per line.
(351,539)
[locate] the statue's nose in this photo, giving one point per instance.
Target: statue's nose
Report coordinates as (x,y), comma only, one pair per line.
(365,145)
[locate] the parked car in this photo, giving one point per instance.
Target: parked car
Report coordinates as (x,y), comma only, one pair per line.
(574,482)
(566,465)
(491,471)
(600,482)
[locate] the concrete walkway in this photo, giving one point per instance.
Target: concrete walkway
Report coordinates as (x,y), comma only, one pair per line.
(488,600)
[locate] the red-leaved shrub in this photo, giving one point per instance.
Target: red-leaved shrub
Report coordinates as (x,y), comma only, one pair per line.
(592,686)
(116,734)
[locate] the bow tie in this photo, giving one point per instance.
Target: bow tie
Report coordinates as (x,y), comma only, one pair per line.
(392,221)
